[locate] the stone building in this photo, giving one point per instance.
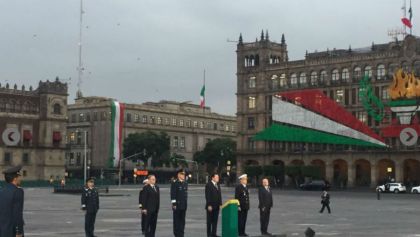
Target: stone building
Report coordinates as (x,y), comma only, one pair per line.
(264,70)
(188,126)
(33,123)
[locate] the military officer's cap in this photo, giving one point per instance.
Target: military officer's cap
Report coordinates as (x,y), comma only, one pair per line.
(181,171)
(13,170)
(244,176)
(91,179)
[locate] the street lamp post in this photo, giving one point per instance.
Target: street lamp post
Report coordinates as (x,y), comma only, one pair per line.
(120,169)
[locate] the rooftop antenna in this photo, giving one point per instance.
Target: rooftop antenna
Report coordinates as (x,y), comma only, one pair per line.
(80,67)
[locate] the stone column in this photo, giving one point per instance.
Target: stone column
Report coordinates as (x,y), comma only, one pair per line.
(329,171)
(399,171)
(351,173)
(373,176)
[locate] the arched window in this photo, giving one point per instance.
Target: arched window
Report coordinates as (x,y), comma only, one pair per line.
(56,108)
(405,66)
(392,68)
(12,106)
(274,81)
(335,76)
(293,80)
(26,107)
(283,80)
(323,76)
(302,78)
(314,78)
(357,73)
(368,71)
(345,75)
(380,72)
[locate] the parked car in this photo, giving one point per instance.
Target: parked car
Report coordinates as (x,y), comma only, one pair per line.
(392,188)
(415,190)
(314,185)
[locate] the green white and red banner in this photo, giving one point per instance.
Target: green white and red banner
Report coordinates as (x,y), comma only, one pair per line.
(117,123)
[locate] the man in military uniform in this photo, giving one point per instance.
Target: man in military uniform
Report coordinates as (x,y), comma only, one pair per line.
(213,203)
(179,197)
(143,216)
(11,204)
(242,194)
(90,204)
(151,204)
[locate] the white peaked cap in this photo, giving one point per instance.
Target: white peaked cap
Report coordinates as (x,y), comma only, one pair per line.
(243,176)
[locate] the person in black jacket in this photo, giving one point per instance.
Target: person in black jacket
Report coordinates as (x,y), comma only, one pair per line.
(11,204)
(90,204)
(151,204)
(143,216)
(325,201)
(179,198)
(242,195)
(213,203)
(265,198)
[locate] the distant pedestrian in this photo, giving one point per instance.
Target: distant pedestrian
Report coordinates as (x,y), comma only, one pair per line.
(325,201)
(213,203)
(265,198)
(179,198)
(90,204)
(242,195)
(11,204)
(143,216)
(378,193)
(151,204)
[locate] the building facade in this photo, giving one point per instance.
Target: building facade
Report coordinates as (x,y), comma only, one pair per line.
(188,126)
(33,123)
(264,70)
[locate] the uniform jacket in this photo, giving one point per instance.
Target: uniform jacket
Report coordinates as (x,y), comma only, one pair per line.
(11,210)
(90,200)
(242,194)
(213,196)
(140,196)
(150,198)
(325,198)
(265,198)
(179,194)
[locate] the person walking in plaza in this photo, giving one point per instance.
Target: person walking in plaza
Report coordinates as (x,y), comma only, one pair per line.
(151,203)
(242,195)
(179,198)
(143,216)
(265,198)
(90,205)
(325,201)
(11,204)
(213,204)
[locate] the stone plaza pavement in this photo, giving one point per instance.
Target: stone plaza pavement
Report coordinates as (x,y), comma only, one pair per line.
(354,214)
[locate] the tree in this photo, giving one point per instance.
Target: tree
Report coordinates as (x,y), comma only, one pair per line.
(216,153)
(148,145)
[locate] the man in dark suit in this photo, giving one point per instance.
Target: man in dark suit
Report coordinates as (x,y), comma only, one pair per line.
(11,204)
(151,204)
(242,194)
(179,198)
(143,216)
(90,204)
(213,203)
(265,198)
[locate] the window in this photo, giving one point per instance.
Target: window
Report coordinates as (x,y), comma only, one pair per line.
(209,125)
(128,119)
(251,123)
(232,128)
(181,123)
(339,96)
(188,123)
(175,142)
(103,115)
(57,108)
(159,120)
(380,74)
(405,67)
(385,95)
(214,126)
(283,80)
(7,158)
(314,78)
(136,118)
(25,158)
(293,80)
(144,119)
(81,117)
(167,121)
(274,82)
(302,78)
(71,158)
(357,73)
(323,76)
(345,75)
(222,126)
(173,121)
(195,124)
(95,116)
(335,76)
(152,119)
(251,102)
(251,144)
(227,128)
(362,116)
(251,82)
(368,71)
(72,137)
(78,159)
(182,142)
(201,124)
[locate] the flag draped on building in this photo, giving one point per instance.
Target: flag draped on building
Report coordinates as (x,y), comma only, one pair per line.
(202,97)
(117,120)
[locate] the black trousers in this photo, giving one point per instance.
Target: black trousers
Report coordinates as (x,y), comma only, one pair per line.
(264,219)
(179,222)
(90,218)
(325,205)
(150,224)
(212,218)
(242,216)
(143,223)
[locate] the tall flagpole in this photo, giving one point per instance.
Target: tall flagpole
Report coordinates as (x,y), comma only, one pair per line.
(404,8)
(204,96)
(411,14)
(80,67)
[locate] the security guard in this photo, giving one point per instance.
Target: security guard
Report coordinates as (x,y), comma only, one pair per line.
(242,194)
(143,216)
(179,197)
(11,204)
(90,204)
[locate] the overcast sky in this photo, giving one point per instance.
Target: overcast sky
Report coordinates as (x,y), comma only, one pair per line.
(151,50)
